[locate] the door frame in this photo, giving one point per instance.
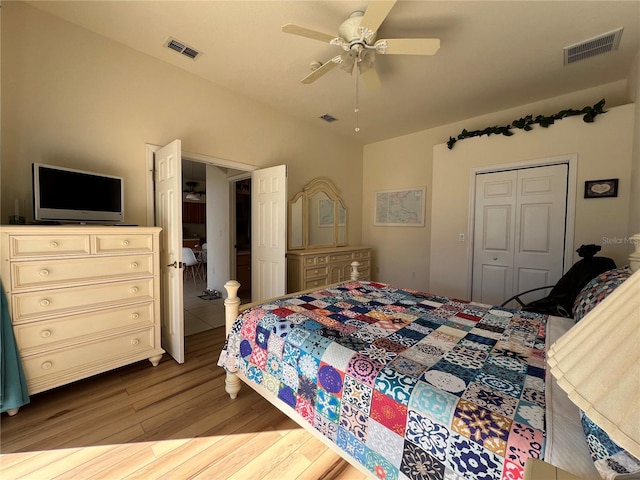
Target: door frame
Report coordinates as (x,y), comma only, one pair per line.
(233,265)
(151,148)
(570,159)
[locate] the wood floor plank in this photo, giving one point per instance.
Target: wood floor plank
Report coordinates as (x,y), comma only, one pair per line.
(269,460)
(38,438)
(237,459)
(102,462)
(209,457)
(166,459)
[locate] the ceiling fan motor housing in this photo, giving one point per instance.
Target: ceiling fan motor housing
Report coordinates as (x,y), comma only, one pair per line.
(351,33)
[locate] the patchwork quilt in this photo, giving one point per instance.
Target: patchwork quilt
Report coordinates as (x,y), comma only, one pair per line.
(410,385)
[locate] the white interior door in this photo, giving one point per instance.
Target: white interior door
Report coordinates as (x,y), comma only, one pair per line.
(519,232)
(268,232)
(168,213)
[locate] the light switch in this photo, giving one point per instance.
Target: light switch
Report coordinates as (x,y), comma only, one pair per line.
(461,237)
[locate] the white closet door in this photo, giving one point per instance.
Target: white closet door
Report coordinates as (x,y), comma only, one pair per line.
(493,239)
(539,237)
(519,232)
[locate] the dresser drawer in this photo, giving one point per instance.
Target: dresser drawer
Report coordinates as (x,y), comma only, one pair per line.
(109,244)
(34,305)
(313,283)
(23,246)
(341,257)
(315,260)
(50,333)
(363,264)
(361,254)
(86,357)
(82,270)
(314,272)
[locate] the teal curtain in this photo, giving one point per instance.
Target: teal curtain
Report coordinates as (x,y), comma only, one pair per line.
(13,384)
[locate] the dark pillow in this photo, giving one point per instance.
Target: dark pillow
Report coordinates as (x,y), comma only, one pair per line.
(597,290)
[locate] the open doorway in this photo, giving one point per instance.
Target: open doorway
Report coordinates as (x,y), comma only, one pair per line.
(164,191)
(242,193)
(202,309)
(203,213)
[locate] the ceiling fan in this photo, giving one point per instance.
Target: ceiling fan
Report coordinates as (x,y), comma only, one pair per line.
(357,37)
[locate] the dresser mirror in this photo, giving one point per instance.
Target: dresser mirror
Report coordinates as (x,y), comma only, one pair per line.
(317,217)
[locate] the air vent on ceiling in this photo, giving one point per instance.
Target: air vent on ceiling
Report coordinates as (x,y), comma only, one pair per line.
(328,118)
(182,48)
(604,43)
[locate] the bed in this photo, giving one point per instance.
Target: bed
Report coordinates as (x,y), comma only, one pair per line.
(406,384)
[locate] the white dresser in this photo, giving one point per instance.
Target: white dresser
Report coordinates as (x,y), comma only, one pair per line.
(316,267)
(83,299)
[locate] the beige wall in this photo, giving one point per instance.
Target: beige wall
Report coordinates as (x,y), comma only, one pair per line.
(76,99)
(407,161)
(604,151)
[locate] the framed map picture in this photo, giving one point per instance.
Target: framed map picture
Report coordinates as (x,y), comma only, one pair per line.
(400,208)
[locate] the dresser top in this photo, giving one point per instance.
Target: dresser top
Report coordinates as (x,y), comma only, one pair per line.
(323,251)
(74,229)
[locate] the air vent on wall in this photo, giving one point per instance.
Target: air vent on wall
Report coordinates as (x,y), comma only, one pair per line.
(185,50)
(328,118)
(604,43)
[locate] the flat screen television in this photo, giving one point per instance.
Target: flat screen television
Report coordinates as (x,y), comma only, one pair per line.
(68,195)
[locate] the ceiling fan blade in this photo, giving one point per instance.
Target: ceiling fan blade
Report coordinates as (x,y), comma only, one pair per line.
(307,32)
(320,71)
(371,78)
(376,12)
(408,46)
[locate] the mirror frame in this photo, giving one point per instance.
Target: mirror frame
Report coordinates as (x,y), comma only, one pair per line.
(315,186)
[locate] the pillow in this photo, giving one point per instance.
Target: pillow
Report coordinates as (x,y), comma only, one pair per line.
(609,459)
(597,290)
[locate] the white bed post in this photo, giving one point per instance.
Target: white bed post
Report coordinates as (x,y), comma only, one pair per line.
(634,257)
(355,274)
(231,310)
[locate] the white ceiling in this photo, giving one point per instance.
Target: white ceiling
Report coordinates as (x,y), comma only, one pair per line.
(494,54)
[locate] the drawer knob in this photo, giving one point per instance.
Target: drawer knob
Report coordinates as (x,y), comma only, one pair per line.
(53,244)
(133,265)
(135,315)
(135,341)
(125,243)
(45,333)
(44,303)
(134,289)
(46,365)
(44,272)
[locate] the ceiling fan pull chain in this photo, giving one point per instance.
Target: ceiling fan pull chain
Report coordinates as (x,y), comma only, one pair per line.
(356,66)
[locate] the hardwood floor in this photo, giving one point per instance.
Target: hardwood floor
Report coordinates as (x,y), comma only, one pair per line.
(172,421)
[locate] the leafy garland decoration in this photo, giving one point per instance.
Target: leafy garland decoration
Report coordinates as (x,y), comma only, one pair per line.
(526,123)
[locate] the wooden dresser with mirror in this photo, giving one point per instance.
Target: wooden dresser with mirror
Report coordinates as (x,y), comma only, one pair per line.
(319,253)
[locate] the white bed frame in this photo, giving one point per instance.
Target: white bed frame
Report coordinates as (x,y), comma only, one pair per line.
(233,379)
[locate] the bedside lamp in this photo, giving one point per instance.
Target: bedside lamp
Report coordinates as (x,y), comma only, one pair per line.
(597,363)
